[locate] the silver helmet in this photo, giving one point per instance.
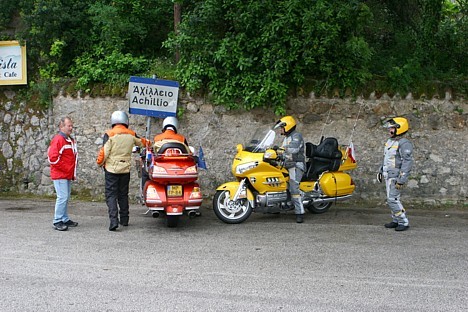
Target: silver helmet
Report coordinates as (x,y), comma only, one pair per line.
(170,122)
(119,117)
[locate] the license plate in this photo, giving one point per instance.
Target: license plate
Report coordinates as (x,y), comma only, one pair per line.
(174,190)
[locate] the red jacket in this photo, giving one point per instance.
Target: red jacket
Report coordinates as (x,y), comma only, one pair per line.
(63,156)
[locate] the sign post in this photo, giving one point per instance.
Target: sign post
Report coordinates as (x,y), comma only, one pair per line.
(153,97)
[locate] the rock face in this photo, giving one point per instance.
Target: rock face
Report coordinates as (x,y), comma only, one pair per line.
(438,130)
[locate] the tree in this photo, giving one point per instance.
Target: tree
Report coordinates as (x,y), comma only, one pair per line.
(250,53)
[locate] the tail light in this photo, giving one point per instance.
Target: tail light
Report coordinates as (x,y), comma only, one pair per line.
(151,193)
(196,193)
(191,170)
(159,170)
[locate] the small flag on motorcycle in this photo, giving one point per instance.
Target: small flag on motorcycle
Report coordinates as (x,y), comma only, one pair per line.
(201,159)
(351,153)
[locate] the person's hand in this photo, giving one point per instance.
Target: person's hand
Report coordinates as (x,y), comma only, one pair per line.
(280,156)
(379,177)
(399,186)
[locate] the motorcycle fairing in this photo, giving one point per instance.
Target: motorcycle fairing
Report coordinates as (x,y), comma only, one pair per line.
(336,184)
(156,197)
(232,187)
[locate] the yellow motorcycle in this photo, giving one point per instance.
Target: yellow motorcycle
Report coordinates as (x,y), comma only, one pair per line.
(262,181)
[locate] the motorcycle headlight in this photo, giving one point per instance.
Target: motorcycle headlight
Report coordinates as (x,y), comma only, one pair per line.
(245,167)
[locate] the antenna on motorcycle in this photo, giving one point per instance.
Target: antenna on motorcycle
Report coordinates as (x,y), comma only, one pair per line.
(326,122)
(355,124)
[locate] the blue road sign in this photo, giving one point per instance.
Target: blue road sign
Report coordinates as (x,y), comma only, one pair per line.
(153,97)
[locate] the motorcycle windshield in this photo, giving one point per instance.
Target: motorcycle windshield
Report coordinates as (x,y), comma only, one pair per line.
(261,141)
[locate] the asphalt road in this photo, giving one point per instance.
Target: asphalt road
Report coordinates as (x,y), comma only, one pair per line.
(344,260)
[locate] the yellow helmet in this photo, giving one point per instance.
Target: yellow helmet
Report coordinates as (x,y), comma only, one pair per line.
(399,123)
(287,122)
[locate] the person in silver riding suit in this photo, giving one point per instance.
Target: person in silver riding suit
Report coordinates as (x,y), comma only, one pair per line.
(293,145)
(395,170)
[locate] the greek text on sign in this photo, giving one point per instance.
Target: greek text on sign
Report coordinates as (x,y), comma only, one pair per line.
(153,97)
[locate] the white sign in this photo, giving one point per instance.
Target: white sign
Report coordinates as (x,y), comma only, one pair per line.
(153,97)
(12,63)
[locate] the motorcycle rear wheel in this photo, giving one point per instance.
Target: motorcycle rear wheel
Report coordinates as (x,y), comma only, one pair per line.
(318,208)
(228,211)
(172,221)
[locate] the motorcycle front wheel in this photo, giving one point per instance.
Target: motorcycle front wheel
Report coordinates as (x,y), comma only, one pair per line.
(318,208)
(229,211)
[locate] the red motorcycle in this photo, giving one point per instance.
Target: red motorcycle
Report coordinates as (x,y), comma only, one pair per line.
(172,188)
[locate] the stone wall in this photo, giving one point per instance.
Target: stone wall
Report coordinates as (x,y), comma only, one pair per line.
(438,131)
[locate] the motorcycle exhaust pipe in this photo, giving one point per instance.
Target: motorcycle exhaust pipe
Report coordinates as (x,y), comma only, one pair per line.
(330,199)
(192,214)
(155,214)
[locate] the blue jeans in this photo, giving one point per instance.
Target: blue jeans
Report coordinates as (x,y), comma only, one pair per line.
(63,190)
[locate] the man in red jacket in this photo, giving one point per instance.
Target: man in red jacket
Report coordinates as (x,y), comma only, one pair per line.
(62,155)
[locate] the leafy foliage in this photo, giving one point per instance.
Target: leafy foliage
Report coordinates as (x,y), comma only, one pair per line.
(51,21)
(95,41)
(112,68)
(245,54)
(250,53)
(418,41)
(6,12)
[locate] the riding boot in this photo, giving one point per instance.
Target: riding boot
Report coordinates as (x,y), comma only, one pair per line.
(299,218)
(114,224)
(298,208)
(124,221)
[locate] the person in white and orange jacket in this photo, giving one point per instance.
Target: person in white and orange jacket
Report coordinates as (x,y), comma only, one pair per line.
(62,155)
(115,157)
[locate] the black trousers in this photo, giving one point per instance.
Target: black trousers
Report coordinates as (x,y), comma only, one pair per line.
(117,194)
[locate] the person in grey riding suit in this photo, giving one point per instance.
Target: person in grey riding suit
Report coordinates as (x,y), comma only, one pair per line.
(293,145)
(395,170)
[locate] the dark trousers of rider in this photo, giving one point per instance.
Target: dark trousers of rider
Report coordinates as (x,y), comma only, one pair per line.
(117,195)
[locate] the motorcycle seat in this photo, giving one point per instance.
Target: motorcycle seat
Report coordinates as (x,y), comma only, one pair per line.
(320,158)
(328,148)
(182,148)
